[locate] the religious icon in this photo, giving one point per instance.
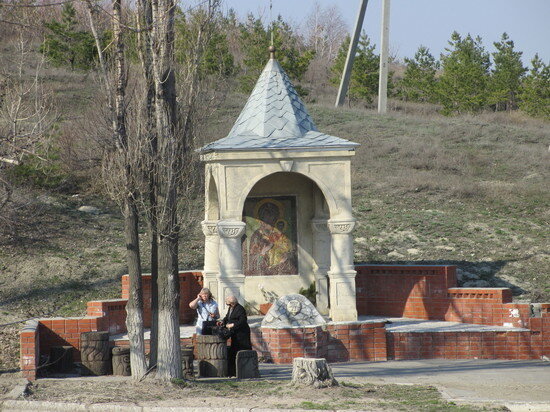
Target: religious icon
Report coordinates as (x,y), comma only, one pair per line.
(269,246)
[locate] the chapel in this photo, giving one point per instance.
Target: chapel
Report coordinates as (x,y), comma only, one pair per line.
(278,215)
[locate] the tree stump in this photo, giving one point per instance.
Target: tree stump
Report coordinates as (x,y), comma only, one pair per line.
(212,356)
(187,358)
(95,353)
(314,372)
(121,361)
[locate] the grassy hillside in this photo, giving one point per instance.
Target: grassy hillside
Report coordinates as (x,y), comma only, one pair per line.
(468,191)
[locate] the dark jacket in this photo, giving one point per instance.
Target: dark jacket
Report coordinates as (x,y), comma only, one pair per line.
(240,337)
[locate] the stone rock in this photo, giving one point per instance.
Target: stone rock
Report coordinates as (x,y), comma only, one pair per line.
(247,364)
(445,247)
(292,310)
(89,209)
(395,254)
(413,251)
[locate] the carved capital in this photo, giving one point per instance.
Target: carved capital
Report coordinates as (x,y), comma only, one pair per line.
(319,225)
(231,229)
(341,226)
(210,227)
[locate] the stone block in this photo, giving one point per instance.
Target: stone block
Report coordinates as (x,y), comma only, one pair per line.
(247,364)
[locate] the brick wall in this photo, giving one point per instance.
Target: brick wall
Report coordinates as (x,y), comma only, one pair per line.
(190,285)
(467,345)
(424,292)
(336,342)
(429,292)
(404,291)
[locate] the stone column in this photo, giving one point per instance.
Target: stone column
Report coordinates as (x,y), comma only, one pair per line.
(211,253)
(321,255)
(342,271)
(231,277)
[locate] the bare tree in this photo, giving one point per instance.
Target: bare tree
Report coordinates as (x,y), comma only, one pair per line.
(170,156)
(125,165)
(324,30)
(26,115)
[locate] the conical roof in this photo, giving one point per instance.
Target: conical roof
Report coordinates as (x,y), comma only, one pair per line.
(275,117)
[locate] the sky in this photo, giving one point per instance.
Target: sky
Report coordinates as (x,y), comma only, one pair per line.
(430,22)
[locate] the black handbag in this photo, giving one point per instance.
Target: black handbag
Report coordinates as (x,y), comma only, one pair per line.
(207,326)
(222,332)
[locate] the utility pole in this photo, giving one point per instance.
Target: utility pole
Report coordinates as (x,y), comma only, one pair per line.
(384,46)
(346,74)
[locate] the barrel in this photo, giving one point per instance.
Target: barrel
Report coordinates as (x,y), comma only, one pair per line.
(95,353)
(121,361)
(212,356)
(187,358)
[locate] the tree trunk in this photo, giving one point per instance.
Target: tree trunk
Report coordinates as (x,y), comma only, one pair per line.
(169,354)
(314,372)
(169,351)
(145,24)
(134,307)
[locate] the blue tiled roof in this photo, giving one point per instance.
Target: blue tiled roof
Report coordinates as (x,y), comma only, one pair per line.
(275,117)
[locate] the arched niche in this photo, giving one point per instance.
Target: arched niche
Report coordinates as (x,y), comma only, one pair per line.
(293,257)
(329,199)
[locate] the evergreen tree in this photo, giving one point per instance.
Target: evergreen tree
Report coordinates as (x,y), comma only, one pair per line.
(462,86)
(419,81)
(364,74)
(65,45)
(535,96)
(506,76)
(290,53)
(216,58)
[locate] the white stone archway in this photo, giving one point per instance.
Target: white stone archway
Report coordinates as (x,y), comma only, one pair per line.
(322,184)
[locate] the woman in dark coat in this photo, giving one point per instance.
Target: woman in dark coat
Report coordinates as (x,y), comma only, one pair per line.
(236,321)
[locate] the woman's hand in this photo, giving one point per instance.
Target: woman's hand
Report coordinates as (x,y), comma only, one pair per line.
(230,325)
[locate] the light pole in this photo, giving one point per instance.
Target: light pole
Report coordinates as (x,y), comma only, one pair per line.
(384,46)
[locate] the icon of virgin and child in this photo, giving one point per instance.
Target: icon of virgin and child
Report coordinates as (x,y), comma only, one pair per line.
(269,247)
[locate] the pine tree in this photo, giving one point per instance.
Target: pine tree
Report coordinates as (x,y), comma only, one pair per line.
(535,96)
(216,58)
(364,74)
(290,53)
(507,75)
(462,86)
(65,45)
(419,81)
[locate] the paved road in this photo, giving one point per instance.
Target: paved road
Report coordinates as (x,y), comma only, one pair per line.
(520,385)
